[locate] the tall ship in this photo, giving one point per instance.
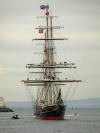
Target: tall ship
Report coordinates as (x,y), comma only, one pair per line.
(49,104)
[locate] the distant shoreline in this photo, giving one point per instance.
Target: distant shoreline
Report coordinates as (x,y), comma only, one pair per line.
(82,103)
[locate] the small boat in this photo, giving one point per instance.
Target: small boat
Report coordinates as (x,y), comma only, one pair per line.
(15,116)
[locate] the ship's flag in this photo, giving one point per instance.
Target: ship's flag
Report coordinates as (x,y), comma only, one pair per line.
(45,50)
(43,7)
(41,31)
(47,13)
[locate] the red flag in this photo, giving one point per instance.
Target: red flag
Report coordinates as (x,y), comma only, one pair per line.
(47,13)
(40,31)
(45,50)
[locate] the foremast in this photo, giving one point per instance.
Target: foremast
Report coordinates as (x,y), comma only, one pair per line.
(50,85)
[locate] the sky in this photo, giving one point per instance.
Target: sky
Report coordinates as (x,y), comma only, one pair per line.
(81,21)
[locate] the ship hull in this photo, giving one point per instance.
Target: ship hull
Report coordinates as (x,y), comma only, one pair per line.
(51,113)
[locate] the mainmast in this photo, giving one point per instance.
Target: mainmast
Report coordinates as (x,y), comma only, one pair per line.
(50,90)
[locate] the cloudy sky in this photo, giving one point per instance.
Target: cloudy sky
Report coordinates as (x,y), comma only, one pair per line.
(81,19)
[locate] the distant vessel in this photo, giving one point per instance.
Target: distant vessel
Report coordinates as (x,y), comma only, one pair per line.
(3,108)
(49,103)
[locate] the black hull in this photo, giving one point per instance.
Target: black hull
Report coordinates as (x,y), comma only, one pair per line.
(51,113)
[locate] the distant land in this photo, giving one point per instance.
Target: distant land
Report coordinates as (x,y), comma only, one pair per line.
(83,103)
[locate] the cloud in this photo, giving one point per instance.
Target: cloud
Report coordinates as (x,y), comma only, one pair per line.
(4,70)
(82,26)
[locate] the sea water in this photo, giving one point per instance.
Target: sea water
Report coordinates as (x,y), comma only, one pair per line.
(86,121)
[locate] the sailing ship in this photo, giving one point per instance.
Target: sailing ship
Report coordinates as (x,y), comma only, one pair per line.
(49,103)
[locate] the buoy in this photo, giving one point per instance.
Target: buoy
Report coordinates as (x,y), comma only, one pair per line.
(75,113)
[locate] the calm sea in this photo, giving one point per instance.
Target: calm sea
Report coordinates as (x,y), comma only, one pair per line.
(87,121)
